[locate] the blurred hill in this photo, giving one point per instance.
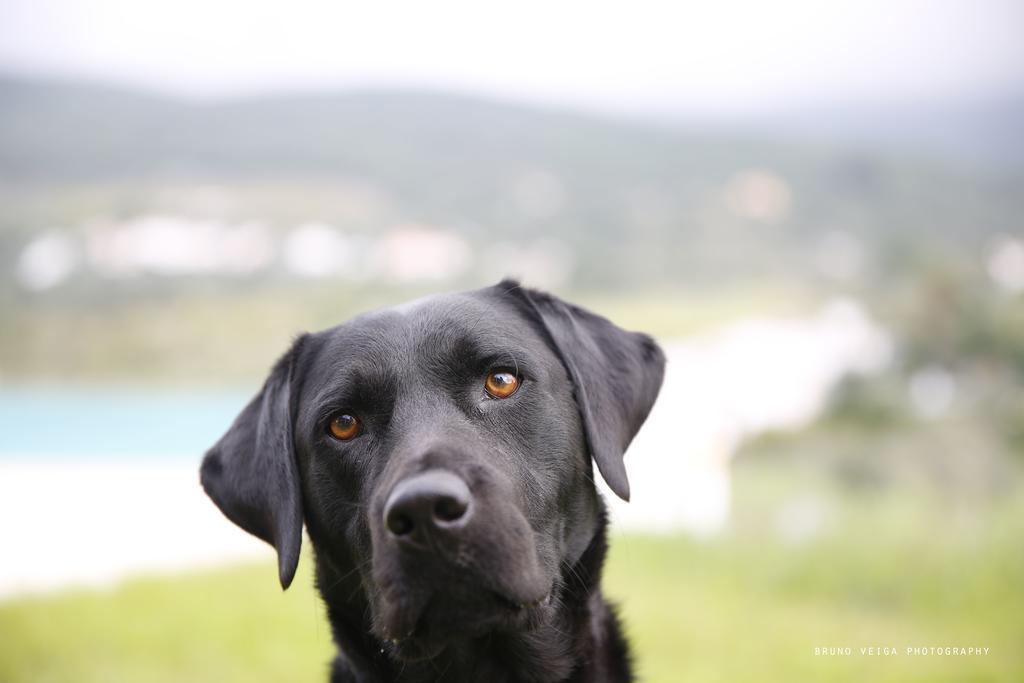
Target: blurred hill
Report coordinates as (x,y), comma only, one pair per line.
(697,202)
(306,207)
(982,132)
(80,130)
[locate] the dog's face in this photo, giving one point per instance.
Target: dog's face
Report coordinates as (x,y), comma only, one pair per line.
(441,452)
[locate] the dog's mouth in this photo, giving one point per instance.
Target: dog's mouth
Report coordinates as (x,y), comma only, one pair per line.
(413,634)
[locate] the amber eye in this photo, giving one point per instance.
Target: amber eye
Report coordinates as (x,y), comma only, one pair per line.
(344,426)
(501,384)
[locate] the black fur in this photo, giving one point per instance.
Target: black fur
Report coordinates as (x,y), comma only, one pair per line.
(508,590)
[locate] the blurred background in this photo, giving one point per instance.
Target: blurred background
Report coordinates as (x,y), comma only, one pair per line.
(816,208)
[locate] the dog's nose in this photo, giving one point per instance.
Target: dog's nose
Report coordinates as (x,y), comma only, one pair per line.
(425,503)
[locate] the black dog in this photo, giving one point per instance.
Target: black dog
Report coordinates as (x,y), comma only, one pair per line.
(438,453)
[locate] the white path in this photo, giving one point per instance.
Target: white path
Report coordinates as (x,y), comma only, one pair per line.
(724,386)
(88,523)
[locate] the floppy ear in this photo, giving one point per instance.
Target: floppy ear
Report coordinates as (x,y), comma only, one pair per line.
(251,473)
(617,375)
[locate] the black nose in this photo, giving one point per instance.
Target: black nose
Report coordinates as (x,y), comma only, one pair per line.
(425,503)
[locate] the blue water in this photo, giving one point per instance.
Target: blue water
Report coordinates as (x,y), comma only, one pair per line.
(113,423)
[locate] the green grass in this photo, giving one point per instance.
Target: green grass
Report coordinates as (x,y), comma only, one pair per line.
(227,625)
(755,612)
(744,607)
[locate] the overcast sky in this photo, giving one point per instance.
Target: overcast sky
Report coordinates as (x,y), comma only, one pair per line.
(715,56)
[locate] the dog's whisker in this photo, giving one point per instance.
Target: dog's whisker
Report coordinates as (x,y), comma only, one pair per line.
(358,567)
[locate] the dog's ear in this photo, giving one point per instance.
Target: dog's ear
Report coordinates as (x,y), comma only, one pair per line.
(617,375)
(251,473)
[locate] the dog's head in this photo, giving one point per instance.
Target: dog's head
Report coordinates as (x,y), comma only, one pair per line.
(440,455)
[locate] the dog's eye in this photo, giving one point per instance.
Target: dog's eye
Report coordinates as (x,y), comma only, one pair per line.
(501,384)
(344,426)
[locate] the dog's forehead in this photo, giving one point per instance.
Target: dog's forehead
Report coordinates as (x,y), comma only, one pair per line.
(432,324)
(468,313)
